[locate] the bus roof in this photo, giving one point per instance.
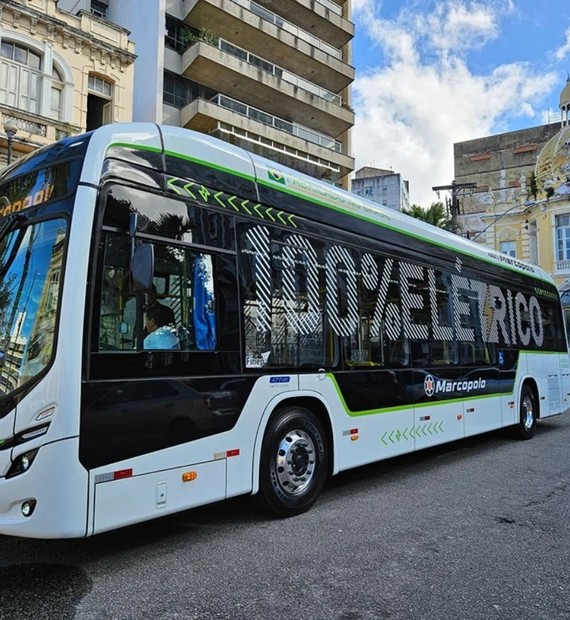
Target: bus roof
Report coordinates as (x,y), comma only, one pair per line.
(216,153)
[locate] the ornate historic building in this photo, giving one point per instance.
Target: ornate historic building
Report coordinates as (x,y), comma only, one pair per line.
(521,203)
(60,73)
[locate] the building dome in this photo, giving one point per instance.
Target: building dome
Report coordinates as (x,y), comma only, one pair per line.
(553,163)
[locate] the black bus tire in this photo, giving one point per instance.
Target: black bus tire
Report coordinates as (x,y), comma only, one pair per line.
(528,414)
(294,462)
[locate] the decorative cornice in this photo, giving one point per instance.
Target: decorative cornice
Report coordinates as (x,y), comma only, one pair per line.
(66,30)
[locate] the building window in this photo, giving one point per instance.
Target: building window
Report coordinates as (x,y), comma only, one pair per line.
(99,9)
(26,73)
(563,237)
(56,103)
(509,248)
(20,77)
(178,34)
(99,102)
(179,91)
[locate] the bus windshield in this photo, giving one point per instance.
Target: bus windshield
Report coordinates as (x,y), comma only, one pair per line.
(31,259)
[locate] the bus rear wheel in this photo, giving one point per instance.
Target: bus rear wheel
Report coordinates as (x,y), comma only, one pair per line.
(528,416)
(294,462)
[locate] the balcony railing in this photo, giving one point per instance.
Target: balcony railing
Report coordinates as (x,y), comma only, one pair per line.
(562,266)
(331,6)
(289,27)
(295,130)
(249,136)
(291,78)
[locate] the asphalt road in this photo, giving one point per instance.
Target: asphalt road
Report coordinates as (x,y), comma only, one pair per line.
(478,529)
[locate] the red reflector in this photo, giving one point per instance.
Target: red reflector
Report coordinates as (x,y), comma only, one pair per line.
(234,452)
(424,418)
(353,431)
(122,473)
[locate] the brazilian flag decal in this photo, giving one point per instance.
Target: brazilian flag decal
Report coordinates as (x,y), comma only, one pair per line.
(276,176)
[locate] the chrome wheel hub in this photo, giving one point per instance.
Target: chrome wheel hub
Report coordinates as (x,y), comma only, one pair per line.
(295,462)
(527,417)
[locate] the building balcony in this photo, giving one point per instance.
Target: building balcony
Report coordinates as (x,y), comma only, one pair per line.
(293,145)
(275,39)
(34,131)
(322,18)
(249,78)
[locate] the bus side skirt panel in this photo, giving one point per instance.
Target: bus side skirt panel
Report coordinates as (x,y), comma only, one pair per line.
(124,501)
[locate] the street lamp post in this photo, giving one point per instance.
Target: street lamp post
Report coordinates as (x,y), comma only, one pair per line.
(10,129)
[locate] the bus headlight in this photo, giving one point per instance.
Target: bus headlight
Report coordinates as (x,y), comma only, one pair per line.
(22,463)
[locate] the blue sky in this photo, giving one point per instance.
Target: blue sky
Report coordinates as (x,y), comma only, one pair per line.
(430,73)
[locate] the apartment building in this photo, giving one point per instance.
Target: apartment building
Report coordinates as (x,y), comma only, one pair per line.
(385,187)
(60,74)
(272,76)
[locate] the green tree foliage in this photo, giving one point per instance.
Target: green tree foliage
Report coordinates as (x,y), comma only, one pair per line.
(436,215)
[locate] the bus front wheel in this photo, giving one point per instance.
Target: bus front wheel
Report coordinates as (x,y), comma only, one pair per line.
(528,416)
(294,462)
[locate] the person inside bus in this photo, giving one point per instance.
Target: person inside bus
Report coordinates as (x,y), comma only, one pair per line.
(164,313)
(161,333)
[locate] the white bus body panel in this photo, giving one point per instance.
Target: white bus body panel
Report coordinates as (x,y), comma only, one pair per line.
(58,483)
(156,494)
(202,148)
(145,135)
(548,371)
(483,414)
(438,423)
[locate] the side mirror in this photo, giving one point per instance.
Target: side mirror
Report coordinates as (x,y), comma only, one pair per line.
(142,268)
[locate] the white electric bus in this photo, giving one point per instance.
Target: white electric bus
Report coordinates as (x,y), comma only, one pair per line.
(182,321)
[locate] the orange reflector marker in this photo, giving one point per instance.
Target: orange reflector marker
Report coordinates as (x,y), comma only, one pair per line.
(459,416)
(353,437)
(234,452)
(122,473)
(188,476)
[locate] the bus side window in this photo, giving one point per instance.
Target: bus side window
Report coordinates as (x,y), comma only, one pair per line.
(185,285)
(399,354)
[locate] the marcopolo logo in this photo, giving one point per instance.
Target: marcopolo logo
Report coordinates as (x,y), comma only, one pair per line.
(429,385)
(438,386)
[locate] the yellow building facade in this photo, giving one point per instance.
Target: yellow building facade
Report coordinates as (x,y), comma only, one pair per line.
(537,225)
(60,74)
(521,203)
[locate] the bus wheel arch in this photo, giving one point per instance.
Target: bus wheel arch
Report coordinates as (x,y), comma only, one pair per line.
(529,411)
(295,457)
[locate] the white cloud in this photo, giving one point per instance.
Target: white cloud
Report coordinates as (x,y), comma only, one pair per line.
(421,97)
(563,50)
